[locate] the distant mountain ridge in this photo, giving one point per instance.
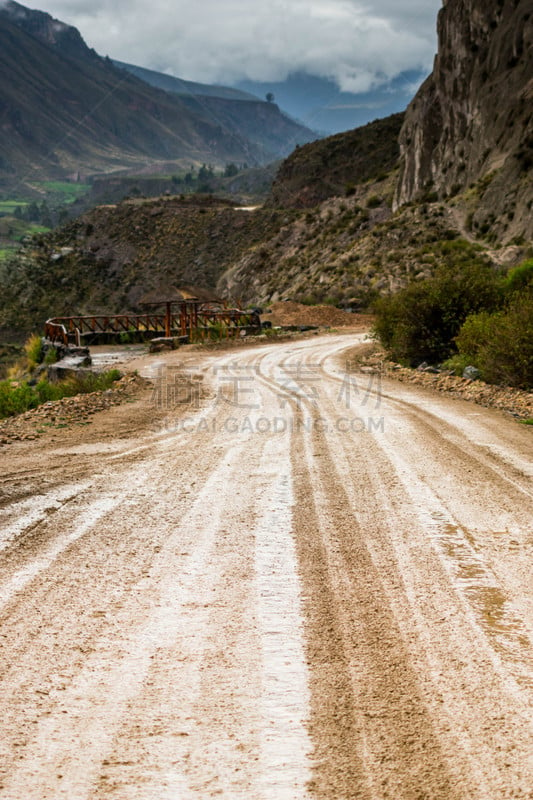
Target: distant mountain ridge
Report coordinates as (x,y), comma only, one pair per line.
(169,83)
(320,104)
(261,122)
(49,31)
(66,110)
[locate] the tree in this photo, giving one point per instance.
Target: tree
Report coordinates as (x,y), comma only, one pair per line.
(231,170)
(269,97)
(45,216)
(32,213)
(205,172)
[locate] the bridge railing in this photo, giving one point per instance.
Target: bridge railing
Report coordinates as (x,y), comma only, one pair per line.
(188,317)
(66,329)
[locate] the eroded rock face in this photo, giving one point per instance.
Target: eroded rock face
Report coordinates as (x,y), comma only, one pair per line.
(472,118)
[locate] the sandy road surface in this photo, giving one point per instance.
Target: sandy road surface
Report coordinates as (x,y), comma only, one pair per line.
(293,583)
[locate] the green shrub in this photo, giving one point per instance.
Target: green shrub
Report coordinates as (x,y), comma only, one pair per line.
(457,364)
(476,331)
(15,399)
(501,344)
(86,382)
(111,376)
(420,322)
(212,332)
(51,356)
(47,391)
(20,397)
(520,277)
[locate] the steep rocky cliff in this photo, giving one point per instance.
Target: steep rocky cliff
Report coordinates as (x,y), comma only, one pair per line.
(470,128)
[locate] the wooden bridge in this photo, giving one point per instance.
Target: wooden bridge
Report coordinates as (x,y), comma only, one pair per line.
(180,318)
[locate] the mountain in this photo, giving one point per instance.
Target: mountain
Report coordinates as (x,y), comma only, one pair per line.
(350,217)
(111,256)
(65,110)
(319,103)
(334,166)
(261,122)
(185,88)
(470,127)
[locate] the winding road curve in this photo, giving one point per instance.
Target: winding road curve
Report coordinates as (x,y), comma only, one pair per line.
(291,581)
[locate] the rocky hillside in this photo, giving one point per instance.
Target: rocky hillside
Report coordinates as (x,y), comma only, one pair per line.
(470,127)
(346,220)
(113,257)
(334,166)
(348,251)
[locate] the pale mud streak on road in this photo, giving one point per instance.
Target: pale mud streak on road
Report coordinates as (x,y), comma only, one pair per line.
(338,609)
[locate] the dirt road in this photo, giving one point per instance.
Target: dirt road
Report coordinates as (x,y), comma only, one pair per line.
(272,579)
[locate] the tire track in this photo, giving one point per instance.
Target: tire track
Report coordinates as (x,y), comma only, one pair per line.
(230,611)
(466,735)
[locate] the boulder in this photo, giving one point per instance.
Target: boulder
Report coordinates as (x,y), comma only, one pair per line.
(472,373)
(161,344)
(67,368)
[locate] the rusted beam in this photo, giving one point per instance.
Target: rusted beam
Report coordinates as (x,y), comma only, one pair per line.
(184,316)
(168,320)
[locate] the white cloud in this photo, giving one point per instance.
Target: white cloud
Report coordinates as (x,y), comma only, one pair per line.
(359,44)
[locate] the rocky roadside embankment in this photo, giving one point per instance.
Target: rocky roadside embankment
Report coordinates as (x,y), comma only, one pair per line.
(288,312)
(516,402)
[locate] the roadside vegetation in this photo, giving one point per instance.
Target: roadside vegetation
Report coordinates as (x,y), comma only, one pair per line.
(17,397)
(22,390)
(465,314)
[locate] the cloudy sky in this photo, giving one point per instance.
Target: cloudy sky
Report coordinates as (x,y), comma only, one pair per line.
(359,43)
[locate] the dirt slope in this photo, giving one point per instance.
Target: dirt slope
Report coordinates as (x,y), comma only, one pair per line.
(270,578)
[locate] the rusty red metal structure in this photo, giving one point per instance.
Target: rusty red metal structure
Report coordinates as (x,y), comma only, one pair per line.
(180,318)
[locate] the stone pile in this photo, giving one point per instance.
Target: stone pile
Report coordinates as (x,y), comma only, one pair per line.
(517,402)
